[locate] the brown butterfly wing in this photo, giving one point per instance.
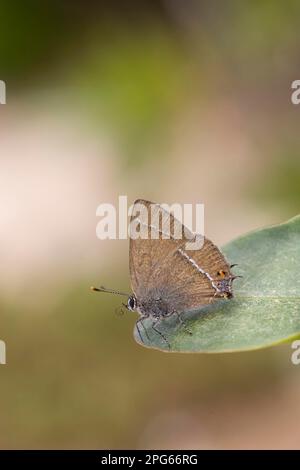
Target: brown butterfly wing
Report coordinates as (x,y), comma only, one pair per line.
(146,255)
(164,268)
(211,260)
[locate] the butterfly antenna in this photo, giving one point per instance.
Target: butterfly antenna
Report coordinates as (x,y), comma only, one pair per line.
(109,291)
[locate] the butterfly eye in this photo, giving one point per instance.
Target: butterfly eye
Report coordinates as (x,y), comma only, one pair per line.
(131,303)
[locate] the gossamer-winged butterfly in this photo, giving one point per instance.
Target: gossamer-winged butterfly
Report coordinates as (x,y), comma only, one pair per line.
(169,277)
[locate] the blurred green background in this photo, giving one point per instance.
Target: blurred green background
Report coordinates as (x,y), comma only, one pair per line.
(165,100)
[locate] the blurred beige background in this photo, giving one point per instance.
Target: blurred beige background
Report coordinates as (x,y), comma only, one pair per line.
(152,100)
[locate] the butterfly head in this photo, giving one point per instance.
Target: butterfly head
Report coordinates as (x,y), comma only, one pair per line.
(131,301)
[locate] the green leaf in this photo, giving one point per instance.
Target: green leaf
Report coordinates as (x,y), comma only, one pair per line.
(265,309)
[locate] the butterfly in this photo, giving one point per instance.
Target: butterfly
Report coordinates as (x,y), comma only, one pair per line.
(170,272)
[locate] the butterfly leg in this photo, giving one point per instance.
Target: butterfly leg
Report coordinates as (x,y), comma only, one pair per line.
(212,299)
(160,333)
(183,323)
(140,321)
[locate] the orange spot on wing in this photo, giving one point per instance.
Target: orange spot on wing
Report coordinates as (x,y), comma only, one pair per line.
(222,274)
